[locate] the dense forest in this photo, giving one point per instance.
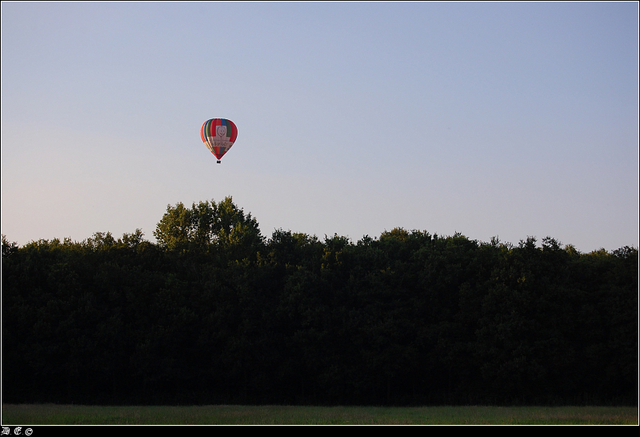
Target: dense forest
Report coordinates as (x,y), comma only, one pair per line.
(215,313)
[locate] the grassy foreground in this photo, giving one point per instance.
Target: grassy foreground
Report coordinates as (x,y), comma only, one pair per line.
(51,414)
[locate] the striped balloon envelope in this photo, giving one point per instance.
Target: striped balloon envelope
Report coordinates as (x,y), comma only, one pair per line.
(218,134)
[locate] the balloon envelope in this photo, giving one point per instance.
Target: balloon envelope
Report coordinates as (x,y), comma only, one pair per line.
(218,134)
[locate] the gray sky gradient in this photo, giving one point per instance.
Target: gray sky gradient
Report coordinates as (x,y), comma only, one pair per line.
(488,119)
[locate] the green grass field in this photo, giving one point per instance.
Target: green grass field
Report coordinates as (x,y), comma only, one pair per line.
(51,414)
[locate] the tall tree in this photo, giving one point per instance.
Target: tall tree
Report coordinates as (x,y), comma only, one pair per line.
(208,224)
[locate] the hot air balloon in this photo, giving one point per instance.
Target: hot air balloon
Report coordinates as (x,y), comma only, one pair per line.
(218,134)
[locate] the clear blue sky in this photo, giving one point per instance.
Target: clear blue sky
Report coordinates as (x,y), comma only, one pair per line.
(488,119)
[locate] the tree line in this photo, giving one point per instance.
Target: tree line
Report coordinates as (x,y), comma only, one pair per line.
(215,313)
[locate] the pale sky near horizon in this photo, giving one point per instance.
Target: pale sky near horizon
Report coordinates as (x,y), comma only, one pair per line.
(488,119)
